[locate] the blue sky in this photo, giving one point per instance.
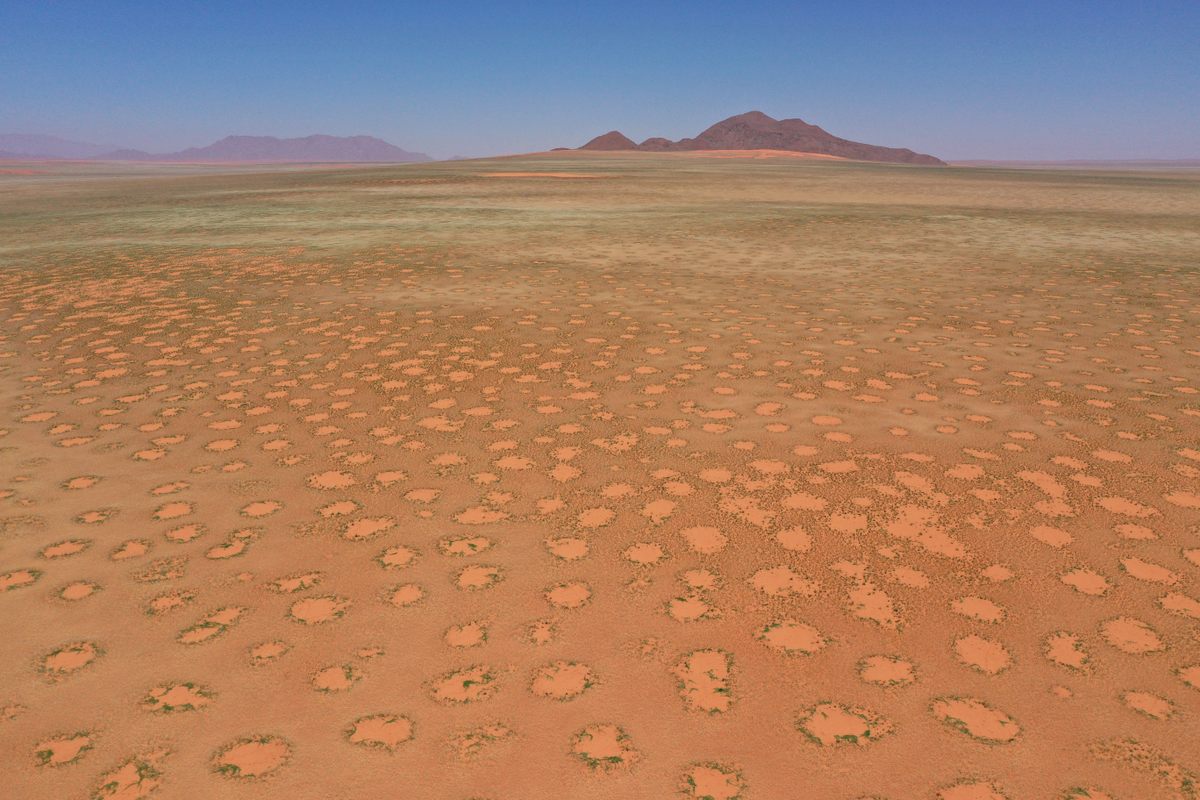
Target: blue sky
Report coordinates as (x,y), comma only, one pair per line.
(964,79)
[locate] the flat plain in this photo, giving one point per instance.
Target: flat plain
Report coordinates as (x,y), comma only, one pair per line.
(599,476)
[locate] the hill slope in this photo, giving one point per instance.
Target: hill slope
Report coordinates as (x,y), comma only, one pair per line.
(613,140)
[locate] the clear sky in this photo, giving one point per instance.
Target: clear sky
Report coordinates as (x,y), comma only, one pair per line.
(960,79)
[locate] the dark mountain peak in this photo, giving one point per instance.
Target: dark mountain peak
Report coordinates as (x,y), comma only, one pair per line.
(656,144)
(752,118)
(754,130)
(613,140)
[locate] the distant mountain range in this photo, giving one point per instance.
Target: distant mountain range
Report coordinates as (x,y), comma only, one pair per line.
(34,145)
(754,130)
(318,148)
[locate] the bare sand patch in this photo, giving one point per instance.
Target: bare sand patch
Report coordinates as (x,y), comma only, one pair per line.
(383,731)
(705,680)
(63,749)
(562,680)
(252,757)
(884,670)
(604,747)
(976,719)
(712,780)
(791,637)
(836,724)
(468,685)
(317,610)
(69,659)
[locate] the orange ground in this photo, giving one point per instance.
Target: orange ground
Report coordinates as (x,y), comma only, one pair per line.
(867,483)
(758,154)
(539,175)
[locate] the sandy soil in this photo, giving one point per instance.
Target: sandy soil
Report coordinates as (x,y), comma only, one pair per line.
(754,478)
(762,154)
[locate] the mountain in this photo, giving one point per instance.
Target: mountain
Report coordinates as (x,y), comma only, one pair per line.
(318,148)
(39,146)
(754,130)
(346,149)
(613,140)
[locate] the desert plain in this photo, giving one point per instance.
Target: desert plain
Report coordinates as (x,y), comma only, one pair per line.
(599,475)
